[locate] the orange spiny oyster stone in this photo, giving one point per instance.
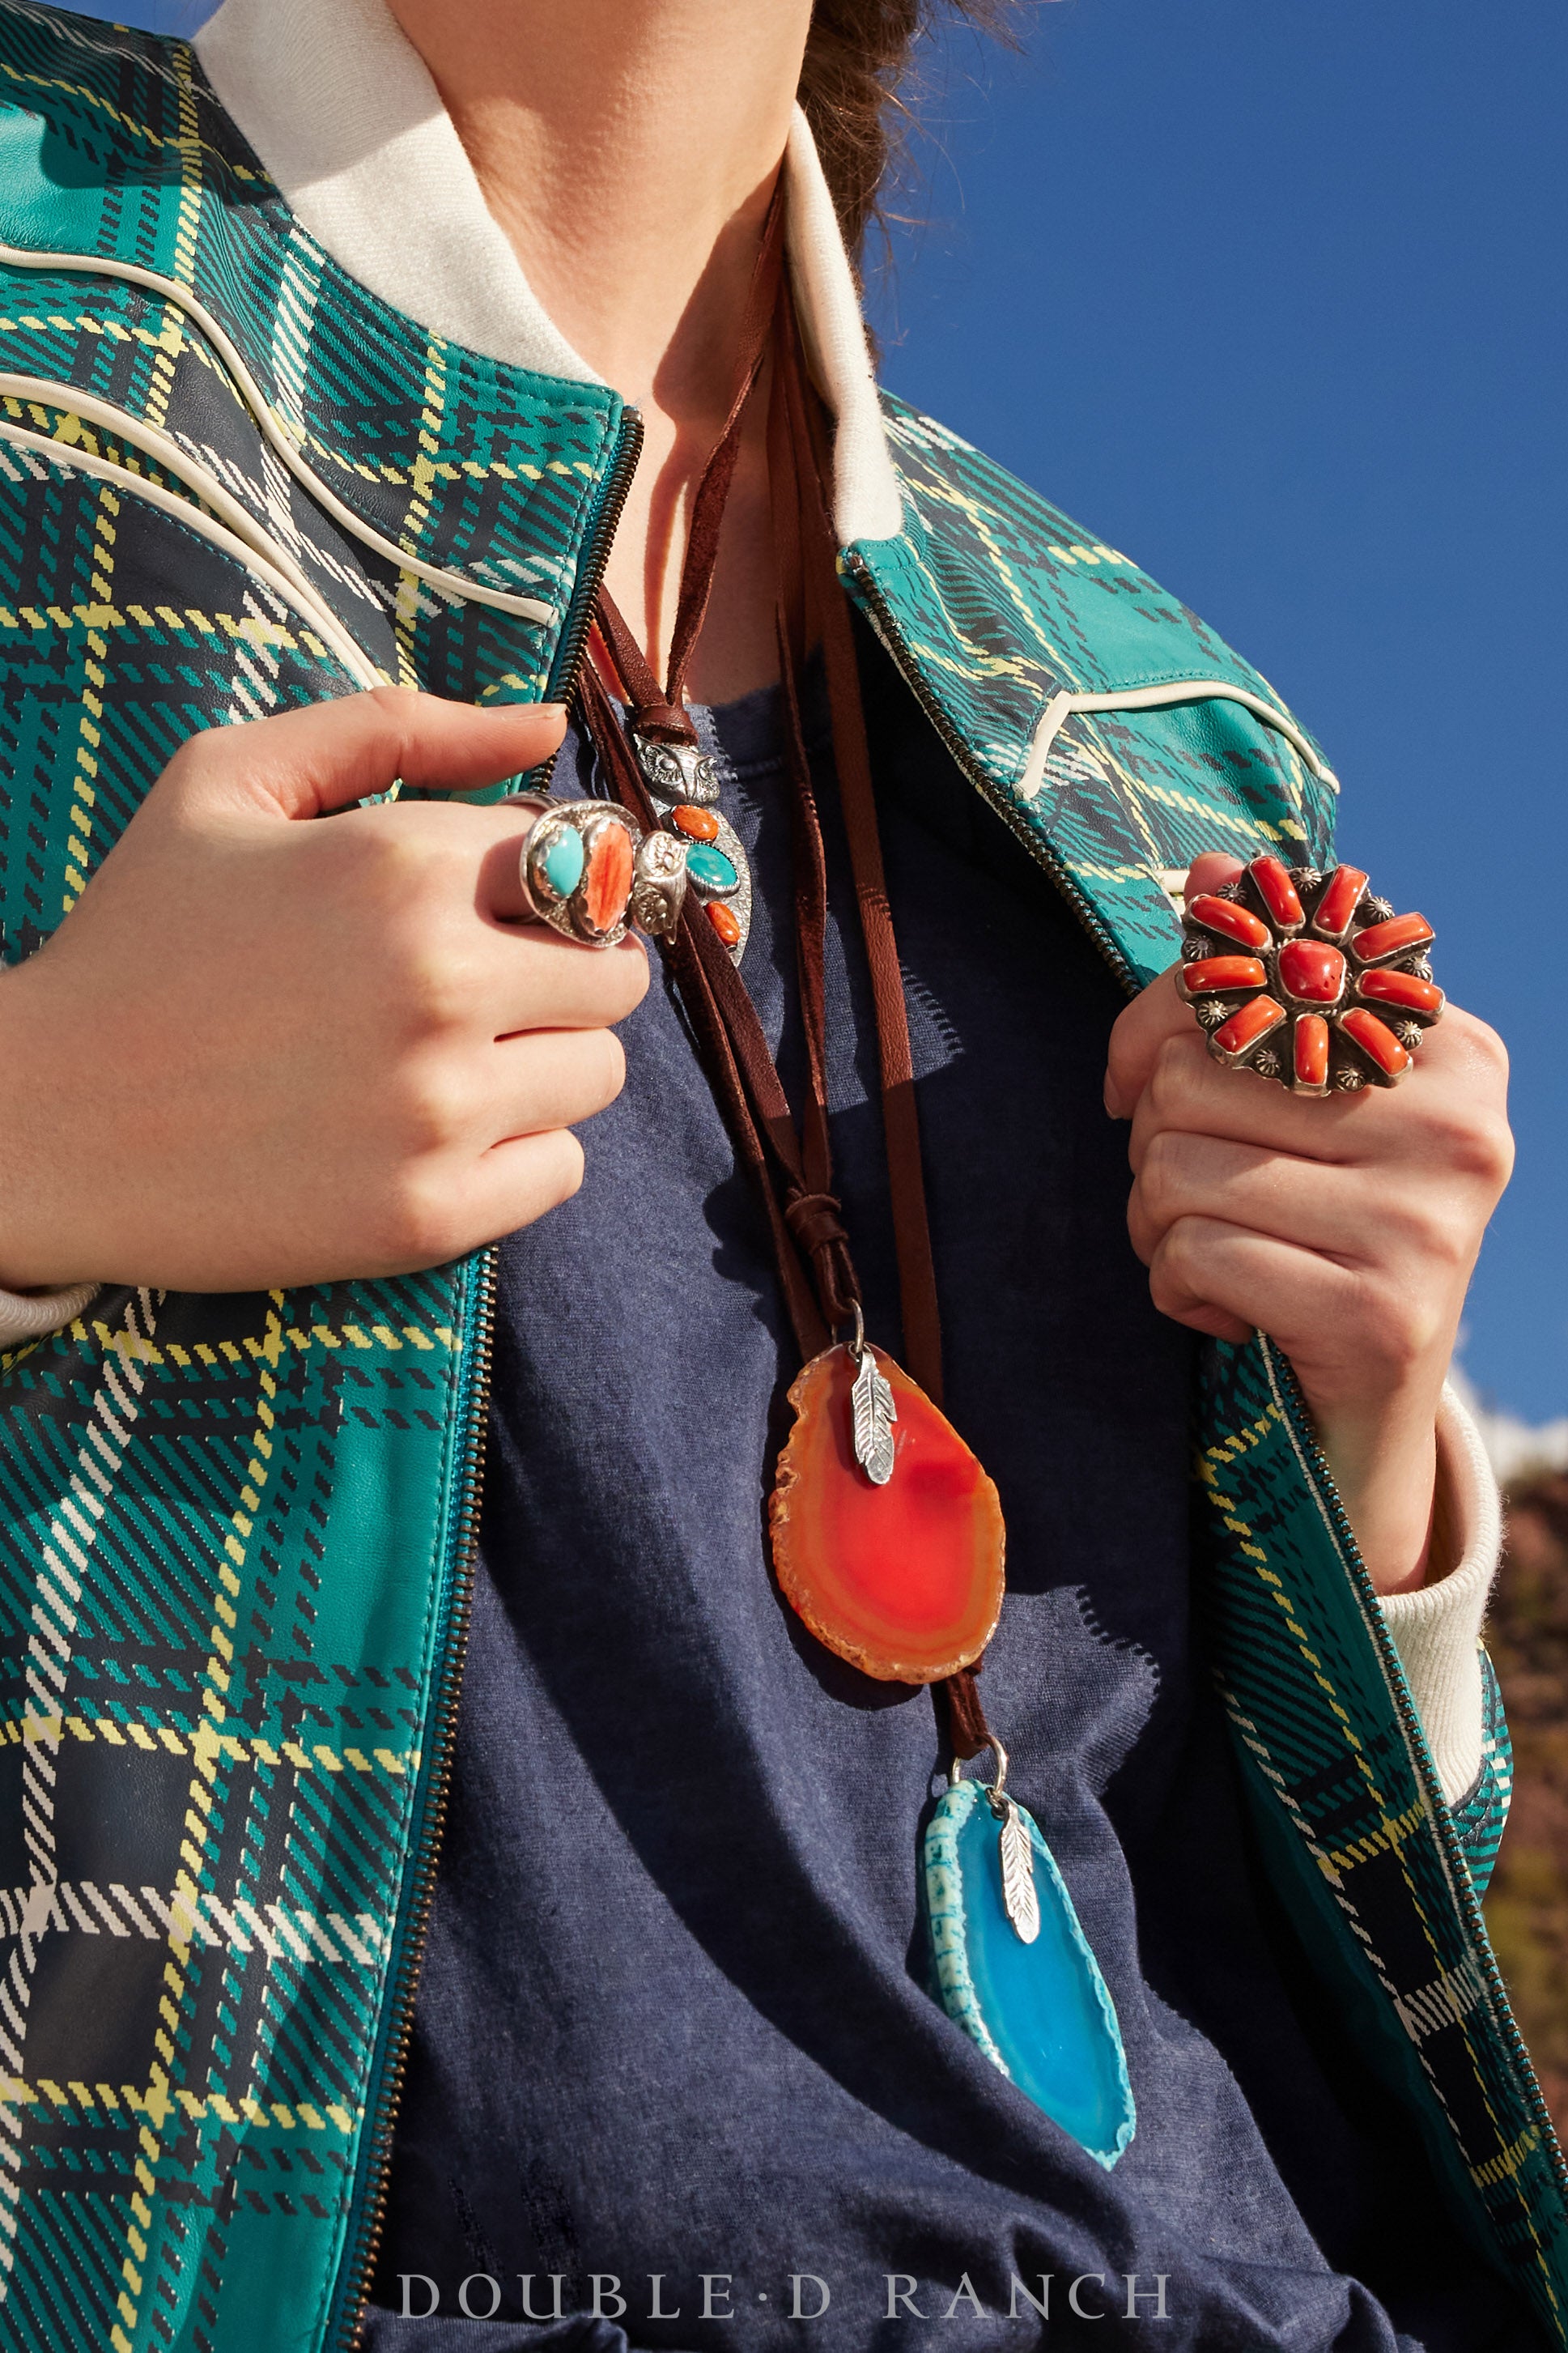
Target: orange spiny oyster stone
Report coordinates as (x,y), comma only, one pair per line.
(724,919)
(1212,973)
(606,886)
(1239,924)
(697,824)
(905,1581)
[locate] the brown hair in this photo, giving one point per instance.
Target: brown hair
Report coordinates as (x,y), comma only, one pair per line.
(858,57)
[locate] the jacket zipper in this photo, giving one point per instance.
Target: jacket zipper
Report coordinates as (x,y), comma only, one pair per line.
(574,636)
(364,2239)
(365,2243)
(1465,1900)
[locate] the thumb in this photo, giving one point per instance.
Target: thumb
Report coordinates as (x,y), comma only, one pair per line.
(330,754)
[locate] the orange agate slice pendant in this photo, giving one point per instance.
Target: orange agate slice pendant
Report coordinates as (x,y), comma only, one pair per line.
(892,1549)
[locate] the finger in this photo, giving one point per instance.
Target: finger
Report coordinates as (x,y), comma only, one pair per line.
(304,763)
(1188,1090)
(1346,1214)
(488,1194)
(1449,1112)
(529,978)
(1207,872)
(1139,1031)
(547,1079)
(1218,1278)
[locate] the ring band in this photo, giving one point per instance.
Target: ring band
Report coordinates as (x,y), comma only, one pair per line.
(1303,976)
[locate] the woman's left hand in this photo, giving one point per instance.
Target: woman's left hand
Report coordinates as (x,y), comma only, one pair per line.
(1345,1228)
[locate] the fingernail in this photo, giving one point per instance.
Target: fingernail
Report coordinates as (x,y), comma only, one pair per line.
(1113,1108)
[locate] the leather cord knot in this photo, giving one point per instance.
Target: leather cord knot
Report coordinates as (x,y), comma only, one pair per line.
(813,1219)
(664,722)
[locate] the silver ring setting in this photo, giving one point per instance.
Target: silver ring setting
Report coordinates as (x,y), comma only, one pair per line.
(1308,978)
(589,871)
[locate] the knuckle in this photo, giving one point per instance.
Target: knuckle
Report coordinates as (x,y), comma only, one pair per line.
(1171,1077)
(1482,1043)
(393,704)
(610,1066)
(414,1222)
(561,1175)
(428,1107)
(632,973)
(1160,1176)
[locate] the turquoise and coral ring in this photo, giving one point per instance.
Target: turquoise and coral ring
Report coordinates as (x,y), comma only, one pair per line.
(589,871)
(1305,977)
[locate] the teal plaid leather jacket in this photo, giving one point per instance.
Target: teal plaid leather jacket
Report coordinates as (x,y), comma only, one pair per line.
(236,1531)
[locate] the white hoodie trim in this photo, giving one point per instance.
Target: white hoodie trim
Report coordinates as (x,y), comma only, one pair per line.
(342,109)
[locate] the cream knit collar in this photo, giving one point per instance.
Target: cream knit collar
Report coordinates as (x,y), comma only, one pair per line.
(340,108)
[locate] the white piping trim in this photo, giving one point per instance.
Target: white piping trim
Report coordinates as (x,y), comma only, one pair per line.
(28,1314)
(309,606)
(1154,698)
(523,608)
(165,451)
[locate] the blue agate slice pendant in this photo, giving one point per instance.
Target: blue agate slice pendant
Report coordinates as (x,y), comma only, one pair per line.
(1014,1969)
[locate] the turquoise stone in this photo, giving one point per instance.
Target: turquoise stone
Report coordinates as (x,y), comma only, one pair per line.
(563,862)
(1041,2013)
(708,868)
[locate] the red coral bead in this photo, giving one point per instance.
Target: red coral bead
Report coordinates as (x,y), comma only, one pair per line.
(1376,1039)
(1246,1027)
(1278,891)
(1404,990)
(1312,1052)
(1231,922)
(1396,937)
(607,883)
(725,922)
(1212,973)
(1340,900)
(1312,971)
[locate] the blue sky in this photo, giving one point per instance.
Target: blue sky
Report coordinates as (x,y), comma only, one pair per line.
(1270,293)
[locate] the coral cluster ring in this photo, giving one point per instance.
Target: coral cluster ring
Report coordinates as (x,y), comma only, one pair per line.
(589,871)
(1305,977)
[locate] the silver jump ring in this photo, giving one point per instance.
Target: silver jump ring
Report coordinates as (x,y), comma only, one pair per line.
(857,1346)
(955,1771)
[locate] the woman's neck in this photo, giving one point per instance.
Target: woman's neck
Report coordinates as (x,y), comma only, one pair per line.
(628,149)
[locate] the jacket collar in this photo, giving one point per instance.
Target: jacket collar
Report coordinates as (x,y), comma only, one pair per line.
(341,109)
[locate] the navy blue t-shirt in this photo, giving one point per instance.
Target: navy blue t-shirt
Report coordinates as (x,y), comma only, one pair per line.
(673,2041)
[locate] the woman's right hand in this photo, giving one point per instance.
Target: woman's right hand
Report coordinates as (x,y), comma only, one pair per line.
(265,1049)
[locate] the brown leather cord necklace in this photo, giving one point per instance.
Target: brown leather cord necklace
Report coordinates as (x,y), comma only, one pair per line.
(886,1534)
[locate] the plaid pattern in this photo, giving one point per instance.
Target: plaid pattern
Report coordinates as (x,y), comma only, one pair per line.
(1375,1870)
(234,1531)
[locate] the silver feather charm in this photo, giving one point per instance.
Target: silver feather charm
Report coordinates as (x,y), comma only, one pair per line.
(871,1404)
(1018,1892)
